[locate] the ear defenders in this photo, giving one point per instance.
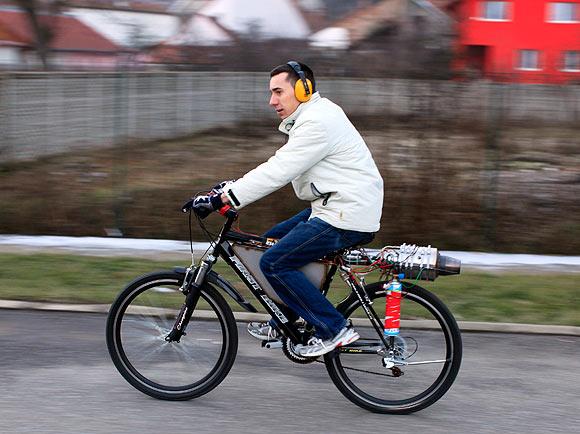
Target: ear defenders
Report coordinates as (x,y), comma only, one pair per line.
(303,86)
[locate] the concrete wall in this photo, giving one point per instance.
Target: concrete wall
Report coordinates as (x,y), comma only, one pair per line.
(47,113)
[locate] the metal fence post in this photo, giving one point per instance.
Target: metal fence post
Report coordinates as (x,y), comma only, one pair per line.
(7,143)
(120,162)
(4,135)
(495,114)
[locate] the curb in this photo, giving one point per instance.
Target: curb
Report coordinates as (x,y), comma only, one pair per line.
(465,326)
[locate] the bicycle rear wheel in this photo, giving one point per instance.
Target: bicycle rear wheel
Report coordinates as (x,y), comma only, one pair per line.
(141,318)
(424,362)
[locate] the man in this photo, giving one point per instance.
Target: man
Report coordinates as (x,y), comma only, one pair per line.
(329,165)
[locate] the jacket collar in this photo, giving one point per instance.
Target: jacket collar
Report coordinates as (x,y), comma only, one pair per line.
(287,124)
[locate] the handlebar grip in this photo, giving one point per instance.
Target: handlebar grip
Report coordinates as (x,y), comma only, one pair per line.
(228,212)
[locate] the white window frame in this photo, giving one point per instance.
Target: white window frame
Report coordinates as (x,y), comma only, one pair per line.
(481,10)
(577,68)
(519,58)
(550,12)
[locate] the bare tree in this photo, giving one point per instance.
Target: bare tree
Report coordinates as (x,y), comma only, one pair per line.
(40,16)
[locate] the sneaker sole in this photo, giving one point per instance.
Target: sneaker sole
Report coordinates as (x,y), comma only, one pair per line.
(260,338)
(350,340)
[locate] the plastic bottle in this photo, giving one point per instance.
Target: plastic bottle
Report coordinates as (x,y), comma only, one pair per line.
(393,307)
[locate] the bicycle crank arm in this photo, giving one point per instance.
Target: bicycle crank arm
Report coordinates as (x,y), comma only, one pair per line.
(272,344)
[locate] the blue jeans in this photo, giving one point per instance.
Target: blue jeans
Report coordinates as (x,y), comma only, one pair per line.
(303,241)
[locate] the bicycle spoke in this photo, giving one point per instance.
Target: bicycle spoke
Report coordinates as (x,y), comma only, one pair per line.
(147,324)
(143,356)
(405,373)
(163,322)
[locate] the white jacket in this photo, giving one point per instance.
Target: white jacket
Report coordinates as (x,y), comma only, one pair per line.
(328,163)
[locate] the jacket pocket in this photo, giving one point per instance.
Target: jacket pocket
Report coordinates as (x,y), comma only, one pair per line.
(319,195)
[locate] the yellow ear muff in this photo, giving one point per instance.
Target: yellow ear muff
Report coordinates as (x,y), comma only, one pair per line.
(299,90)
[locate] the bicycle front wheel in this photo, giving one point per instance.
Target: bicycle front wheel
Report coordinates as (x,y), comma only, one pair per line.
(142,317)
(416,369)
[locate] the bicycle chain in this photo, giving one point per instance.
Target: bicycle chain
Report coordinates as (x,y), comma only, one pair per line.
(366,372)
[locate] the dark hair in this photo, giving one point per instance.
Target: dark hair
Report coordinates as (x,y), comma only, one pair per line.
(292,75)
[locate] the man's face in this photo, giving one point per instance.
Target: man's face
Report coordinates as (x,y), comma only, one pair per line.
(283,99)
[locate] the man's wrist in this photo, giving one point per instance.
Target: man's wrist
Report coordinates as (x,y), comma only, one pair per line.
(225,199)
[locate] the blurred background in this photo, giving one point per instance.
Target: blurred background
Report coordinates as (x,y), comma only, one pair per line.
(112,113)
(115,112)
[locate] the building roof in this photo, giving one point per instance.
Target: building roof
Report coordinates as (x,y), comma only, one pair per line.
(442,9)
(201,30)
(331,37)
(9,38)
(314,13)
(447,6)
(69,33)
(267,19)
(359,25)
(123,5)
(186,6)
(129,29)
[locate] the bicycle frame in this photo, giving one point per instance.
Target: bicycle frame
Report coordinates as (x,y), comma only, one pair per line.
(136,326)
(195,278)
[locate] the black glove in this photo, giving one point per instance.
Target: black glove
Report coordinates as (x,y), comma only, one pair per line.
(204,205)
(219,188)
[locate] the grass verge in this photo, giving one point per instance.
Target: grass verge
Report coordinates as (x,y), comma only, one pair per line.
(473,296)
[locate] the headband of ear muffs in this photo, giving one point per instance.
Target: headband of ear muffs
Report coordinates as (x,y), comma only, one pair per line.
(303,86)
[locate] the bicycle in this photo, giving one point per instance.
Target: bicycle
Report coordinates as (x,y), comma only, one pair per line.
(173,336)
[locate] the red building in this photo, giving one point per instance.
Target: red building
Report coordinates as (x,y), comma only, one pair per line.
(532,41)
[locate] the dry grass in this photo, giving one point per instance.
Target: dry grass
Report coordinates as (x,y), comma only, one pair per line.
(437,189)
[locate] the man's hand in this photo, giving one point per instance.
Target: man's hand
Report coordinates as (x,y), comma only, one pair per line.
(219,188)
(203,205)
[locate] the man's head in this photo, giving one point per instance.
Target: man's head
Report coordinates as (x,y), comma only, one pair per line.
(283,78)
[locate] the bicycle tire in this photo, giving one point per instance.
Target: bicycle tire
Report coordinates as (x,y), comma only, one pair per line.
(424,302)
(141,317)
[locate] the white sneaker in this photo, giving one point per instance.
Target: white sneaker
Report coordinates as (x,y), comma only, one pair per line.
(317,347)
(263,331)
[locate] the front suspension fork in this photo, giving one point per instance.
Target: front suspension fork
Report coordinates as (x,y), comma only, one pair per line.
(191,287)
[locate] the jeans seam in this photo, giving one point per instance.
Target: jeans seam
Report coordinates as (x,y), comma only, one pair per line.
(299,247)
(290,291)
(301,303)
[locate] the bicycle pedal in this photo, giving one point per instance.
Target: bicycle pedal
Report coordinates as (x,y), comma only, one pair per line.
(272,344)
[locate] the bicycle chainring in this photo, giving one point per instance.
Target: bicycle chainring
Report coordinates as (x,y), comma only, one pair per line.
(288,348)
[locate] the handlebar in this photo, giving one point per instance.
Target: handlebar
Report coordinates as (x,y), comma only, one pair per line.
(229,213)
(424,263)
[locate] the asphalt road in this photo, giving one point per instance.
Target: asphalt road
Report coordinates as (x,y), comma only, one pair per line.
(56,377)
